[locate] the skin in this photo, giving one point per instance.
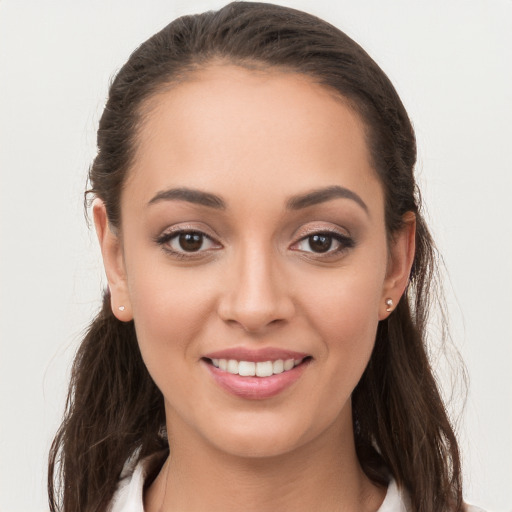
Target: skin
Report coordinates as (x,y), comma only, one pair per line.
(255,139)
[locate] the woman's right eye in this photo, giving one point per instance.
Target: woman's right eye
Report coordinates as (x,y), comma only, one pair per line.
(187,242)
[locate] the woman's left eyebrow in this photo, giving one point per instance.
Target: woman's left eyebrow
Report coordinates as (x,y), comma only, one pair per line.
(322,195)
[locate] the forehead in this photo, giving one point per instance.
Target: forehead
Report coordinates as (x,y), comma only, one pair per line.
(270,130)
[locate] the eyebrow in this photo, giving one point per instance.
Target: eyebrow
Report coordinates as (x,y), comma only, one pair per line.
(322,195)
(297,202)
(190,195)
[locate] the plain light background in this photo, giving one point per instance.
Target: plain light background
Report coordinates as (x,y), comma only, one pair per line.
(450,61)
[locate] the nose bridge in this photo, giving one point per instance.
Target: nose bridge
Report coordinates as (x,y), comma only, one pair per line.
(256,295)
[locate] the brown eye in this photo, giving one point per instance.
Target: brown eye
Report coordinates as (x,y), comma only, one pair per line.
(190,242)
(324,243)
(320,243)
(187,242)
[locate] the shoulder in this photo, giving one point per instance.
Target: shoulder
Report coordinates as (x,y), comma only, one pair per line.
(129,495)
(396,500)
(473,508)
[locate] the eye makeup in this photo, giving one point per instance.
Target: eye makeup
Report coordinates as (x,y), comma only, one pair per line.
(186,242)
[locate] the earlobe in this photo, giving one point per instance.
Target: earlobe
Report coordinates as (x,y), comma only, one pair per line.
(113,262)
(401,257)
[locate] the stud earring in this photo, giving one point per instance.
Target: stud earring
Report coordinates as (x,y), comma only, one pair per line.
(389,304)
(121,308)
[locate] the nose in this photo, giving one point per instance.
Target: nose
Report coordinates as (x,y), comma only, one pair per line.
(255,293)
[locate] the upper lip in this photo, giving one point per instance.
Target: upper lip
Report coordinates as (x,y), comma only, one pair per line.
(259,355)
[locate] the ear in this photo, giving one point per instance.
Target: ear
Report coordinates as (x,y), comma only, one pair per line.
(401,257)
(113,261)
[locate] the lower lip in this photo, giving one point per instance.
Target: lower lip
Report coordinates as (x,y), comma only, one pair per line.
(256,388)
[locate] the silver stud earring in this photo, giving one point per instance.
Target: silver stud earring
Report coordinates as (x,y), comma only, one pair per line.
(389,304)
(121,308)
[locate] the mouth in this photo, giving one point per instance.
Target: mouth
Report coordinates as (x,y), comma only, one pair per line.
(256,368)
(256,375)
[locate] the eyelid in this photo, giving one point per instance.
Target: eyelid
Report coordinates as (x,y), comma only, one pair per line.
(341,236)
(172,232)
(318,228)
(188,227)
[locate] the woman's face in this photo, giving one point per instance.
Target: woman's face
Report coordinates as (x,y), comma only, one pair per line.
(253,240)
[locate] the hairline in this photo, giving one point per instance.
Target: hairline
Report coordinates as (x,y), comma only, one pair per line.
(191,71)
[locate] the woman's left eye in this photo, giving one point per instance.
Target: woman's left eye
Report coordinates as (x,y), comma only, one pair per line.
(321,243)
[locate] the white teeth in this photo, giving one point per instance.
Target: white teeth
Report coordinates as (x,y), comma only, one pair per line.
(278,366)
(289,364)
(247,368)
(251,369)
(232,366)
(264,369)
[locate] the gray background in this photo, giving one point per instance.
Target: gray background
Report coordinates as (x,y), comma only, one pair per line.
(451,63)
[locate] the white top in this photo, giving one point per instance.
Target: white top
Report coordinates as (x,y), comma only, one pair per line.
(128,497)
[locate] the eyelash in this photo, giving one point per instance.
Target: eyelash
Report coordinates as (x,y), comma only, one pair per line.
(345,242)
(164,239)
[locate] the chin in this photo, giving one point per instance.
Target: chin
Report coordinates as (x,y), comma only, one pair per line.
(258,443)
(262,435)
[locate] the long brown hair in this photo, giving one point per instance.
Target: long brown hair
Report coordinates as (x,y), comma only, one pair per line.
(114,410)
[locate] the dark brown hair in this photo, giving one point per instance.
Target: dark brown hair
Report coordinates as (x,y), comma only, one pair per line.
(114,410)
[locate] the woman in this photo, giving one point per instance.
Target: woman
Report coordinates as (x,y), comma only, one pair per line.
(262,342)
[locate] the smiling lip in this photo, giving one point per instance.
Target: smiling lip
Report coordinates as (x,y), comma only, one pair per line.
(256,388)
(256,356)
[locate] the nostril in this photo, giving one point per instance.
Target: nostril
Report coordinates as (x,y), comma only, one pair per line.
(254,304)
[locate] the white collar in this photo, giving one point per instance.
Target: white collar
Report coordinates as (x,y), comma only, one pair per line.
(129,494)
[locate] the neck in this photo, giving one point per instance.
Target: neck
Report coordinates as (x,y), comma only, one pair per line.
(323,474)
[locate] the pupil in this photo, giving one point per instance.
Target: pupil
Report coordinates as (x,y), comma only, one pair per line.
(191,241)
(320,243)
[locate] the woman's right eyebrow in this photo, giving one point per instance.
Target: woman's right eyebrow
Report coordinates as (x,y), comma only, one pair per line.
(190,195)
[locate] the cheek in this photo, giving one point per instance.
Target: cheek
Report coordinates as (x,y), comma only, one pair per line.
(344,312)
(347,319)
(346,303)
(170,307)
